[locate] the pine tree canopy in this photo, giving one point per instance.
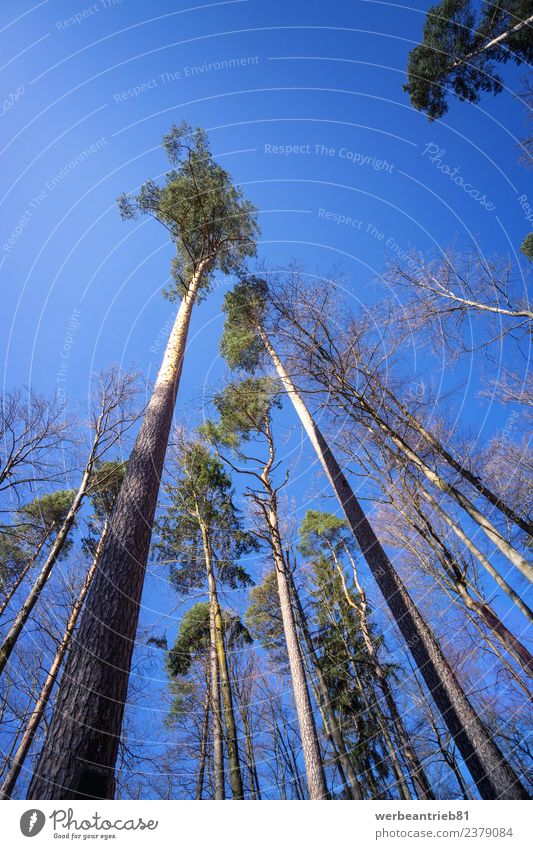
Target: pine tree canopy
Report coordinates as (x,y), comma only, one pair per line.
(457,54)
(206,215)
(202,494)
(244,307)
(244,407)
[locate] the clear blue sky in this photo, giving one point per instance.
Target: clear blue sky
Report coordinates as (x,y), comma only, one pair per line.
(346,95)
(304,105)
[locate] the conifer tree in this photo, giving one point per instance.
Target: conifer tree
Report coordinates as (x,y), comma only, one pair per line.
(201,532)
(460,50)
(245,415)
(212,228)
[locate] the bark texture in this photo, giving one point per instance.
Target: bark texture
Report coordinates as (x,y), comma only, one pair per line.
(316,782)
(80,750)
(493,775)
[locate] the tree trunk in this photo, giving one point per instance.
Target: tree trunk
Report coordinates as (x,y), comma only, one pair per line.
(503,36)
(255,788)
(480,608)
(493,533)
(33,596)
(508,640)
(347,770)
(26,569)
(204,737)
(459,467)
(235,777)
(473,549)
(416,771)
(40,706)
(218,732)
(493,775)
(316,782)
(81,747)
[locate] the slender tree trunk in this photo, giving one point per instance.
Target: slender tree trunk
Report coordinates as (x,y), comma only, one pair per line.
(316,781)
(416,771)
(489,529)
(38,712)
(26,569)
(81,747)
(513,645)
(255,788)
(493,775)
(473,549)
(34,594)
(204,736)
(459,467)
(346,770)
(503,36)
(235,777)
(218,730)
(479,607)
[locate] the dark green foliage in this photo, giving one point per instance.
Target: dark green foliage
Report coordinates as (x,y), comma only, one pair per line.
(343,661)
(104,488)
(193,640)
(244,307)
(207,217)
(244,408)
(527,246)
(452,56)
(48,510)
(105,485)
(13,555)
(193,643)
(263,616)
(203,493)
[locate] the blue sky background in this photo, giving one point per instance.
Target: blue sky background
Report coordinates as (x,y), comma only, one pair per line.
(314,74)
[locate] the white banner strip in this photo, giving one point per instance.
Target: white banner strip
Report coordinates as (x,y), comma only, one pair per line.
(276,825)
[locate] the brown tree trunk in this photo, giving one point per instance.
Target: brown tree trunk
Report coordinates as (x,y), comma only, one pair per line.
(474,550)
(416,771)
(489,529)
(493,775)
(479,607)
(81,747)
(40,706)
(255,788)
(508,640)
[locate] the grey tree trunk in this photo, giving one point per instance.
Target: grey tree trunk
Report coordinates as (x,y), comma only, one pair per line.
(316,782)
(347,771)
(493,775)
(459,467)
(218,730)
(235,776)
(489,529)
(416,771)
(80,750)
(204,735)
